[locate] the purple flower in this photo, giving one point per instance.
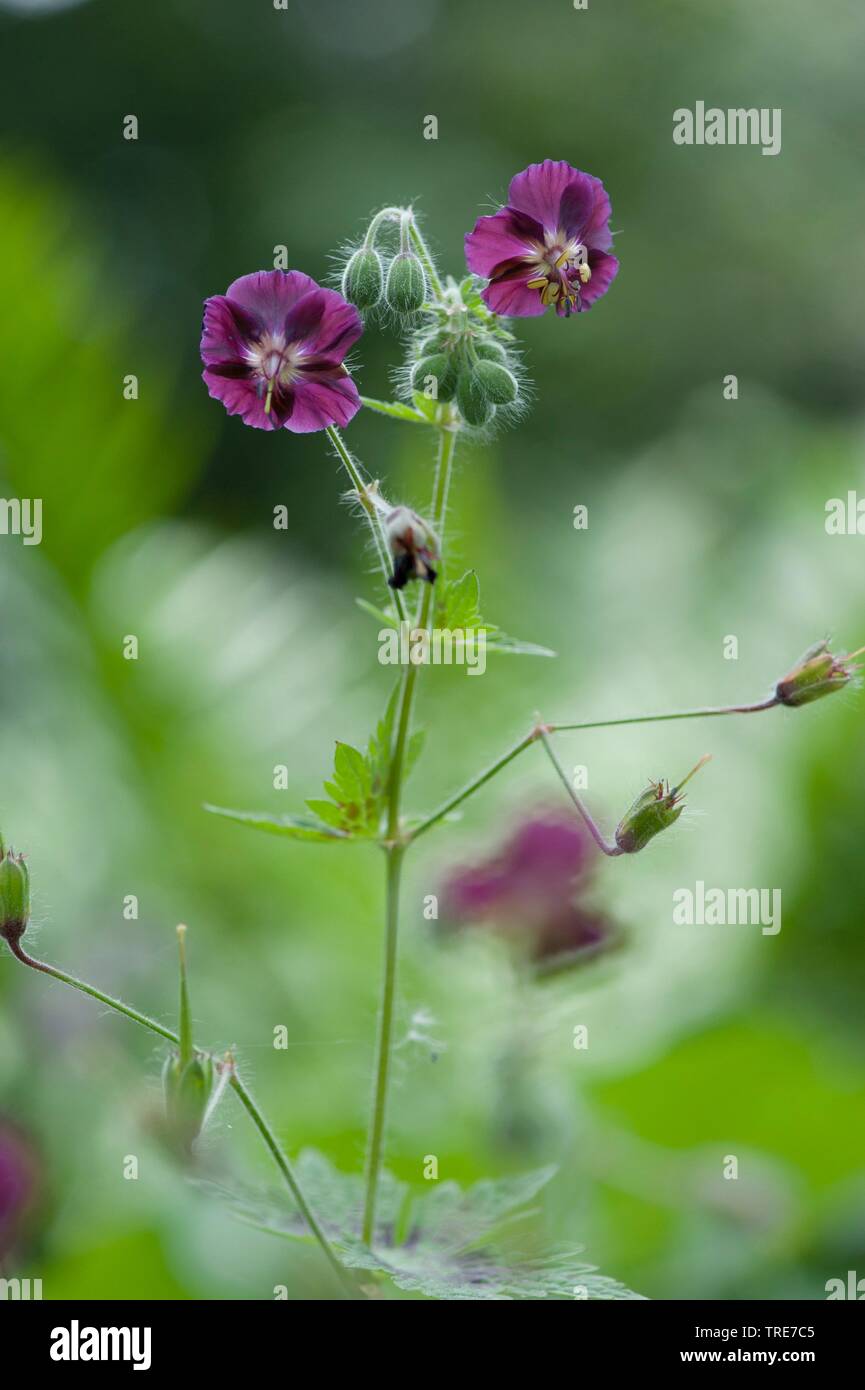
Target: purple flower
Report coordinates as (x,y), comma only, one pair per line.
(273,348)
(19,1183)
(548,246)
(532,890)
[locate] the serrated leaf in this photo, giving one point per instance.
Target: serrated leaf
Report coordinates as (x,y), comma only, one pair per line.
(448,1250)
(351,772)
(460,607)
(294,827)
(328,812)
(512,646)
(413,750)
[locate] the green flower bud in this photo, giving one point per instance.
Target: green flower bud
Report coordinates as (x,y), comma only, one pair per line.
(362,278)
(499,384)
(431,345)
(653,811)
(405,289)
(816,673)
(474,403)
(488,349)
(14,894)
(440,367)
(187,1094)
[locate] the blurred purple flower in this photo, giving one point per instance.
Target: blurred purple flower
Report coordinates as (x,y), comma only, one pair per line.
(273,348)
(548,246)
(19,1180)
(533,890)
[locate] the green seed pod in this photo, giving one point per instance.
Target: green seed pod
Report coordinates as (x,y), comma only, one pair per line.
(405,289)
(14,895)
(440,367)
(488,349)
(499,384)
(817,673)
(362,278)
(658,807)
(475,405)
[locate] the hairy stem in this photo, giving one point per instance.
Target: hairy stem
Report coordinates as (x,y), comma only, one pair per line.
(476,783)
(373,516)
(608,847)
(425,256)
(237,1085)
(395,851)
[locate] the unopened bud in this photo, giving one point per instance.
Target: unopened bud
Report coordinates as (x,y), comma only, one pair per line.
(405,289)
(187,1090)
(817,673)
(489,349)
(14,894)
(499,384)
(472,399)
(653,811)
(439,367)
(362,278)
(413,546)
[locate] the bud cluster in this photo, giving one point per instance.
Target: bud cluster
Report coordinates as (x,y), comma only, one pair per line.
(14,894)
(464,355)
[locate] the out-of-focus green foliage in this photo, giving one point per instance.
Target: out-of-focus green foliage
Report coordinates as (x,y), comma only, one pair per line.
(261,128)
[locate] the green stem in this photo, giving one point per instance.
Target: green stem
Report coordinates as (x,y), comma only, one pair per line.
(476,783)
(426,256)
(243,1094)
(372,512)
(395,852)
(605,846)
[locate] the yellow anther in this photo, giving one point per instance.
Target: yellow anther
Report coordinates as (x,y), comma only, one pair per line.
(551,293)
(537,284)
(268,398)
(563,260)
(585,274)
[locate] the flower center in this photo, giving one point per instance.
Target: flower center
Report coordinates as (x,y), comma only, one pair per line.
(274,362)
(563,267)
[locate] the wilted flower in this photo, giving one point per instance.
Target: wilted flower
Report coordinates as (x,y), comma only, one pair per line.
(413,546)
(817,673)
(273,348)
(548,246)
(533,891)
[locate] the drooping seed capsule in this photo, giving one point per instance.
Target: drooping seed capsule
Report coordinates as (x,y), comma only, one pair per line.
(658,807)
(405,288)
(362,279)
(499,384)
(475,405)
(817,673)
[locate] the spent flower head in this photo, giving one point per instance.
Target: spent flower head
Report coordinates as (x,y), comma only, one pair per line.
(273,347)
(656,808)
(818,672)
(549,246)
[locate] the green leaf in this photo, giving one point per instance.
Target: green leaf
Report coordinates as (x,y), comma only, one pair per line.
(387,619)
(294,827)
(459,606)
(447,1243)
(413,750)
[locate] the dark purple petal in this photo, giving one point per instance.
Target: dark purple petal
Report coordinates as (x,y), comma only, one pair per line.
(505,236)
(510,296)
(325,322)
(604,270)
(321,400)
(245,398)
(222,339)
(538,191)
(269,295)
(597,234)
(577,206)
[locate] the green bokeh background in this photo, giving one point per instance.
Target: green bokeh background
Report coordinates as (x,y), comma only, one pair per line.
(261,127)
